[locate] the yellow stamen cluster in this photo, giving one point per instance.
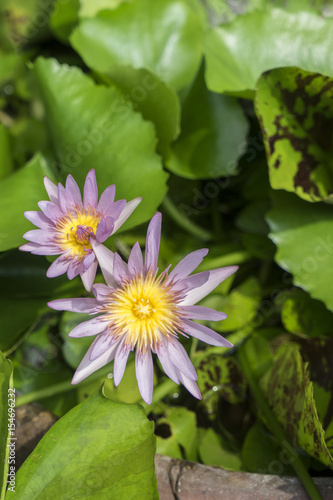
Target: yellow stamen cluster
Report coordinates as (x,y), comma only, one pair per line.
(74,230)
(142,311)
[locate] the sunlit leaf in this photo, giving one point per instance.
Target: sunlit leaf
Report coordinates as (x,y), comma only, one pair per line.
(7,422)
(88,452)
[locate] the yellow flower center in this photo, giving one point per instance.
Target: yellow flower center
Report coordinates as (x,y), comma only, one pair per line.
(142,311)
(74,230)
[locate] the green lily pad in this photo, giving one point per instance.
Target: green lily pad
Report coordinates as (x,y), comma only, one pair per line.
(213,137)
(94,127)
(164,37)
(214,451)
(88,452)
(296,113)
(237,53)
(303,233)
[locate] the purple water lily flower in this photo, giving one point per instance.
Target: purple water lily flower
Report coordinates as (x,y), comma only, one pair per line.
(140,309)
(72,228)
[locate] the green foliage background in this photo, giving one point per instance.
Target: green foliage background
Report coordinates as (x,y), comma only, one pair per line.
(221,117)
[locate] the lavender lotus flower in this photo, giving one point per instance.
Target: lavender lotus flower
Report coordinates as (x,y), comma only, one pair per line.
(141,309)
(72,228)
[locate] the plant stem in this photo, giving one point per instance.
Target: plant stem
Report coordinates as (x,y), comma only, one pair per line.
(276,428)
(45,392)
(184,222)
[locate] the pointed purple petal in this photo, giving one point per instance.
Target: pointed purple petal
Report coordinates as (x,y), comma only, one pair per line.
(88,260)
(144,370)
(103,343)
(90,327)
(105,260)
(167,364)
(40,236)
(120,361)
(203,313)
(65,203)
(29,247)
(87,367)
(75,267)
(216,276)
(83,305)
(101,291)
(45,250)
(51,210)
(90,192)
(135,260)
(51,189)
(187,265)
(104,229)
(153,242)
(194,281)
(73,191)
(190,385)
(106,200)
(129,208)
(58,267)
(180,358)
(39,219)
(120,271)
(88,277)
(204,334)
(116,209)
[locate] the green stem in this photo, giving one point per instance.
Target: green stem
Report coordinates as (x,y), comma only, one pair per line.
(184,222)
(276,428)
(46,392)
(229,259)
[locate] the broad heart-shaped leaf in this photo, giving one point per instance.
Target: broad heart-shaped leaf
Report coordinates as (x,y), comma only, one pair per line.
(213,136)
(239,52)
(7,421)
(19,192)
(94,127)
(289,392)
(303,233)
(99,449)
(296,114)
(154,99)
(164,37)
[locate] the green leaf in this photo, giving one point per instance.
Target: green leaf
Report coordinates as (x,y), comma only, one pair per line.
(239,52)
(94,127)
(213,136)
(214,451)
(153,98)
(262,453)
(289,392)
(303,233)
(164,37)
(19,192)
(64,18)
(74,348)
(181,426)
(90,9)
(295,109)
(99,449)
(304,316)
(219,377)
(7,417)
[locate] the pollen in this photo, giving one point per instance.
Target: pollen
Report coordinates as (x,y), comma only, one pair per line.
(74,230)
(142,311)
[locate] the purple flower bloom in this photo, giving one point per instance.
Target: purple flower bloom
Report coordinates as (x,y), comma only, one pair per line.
(140,309)
(72,228)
